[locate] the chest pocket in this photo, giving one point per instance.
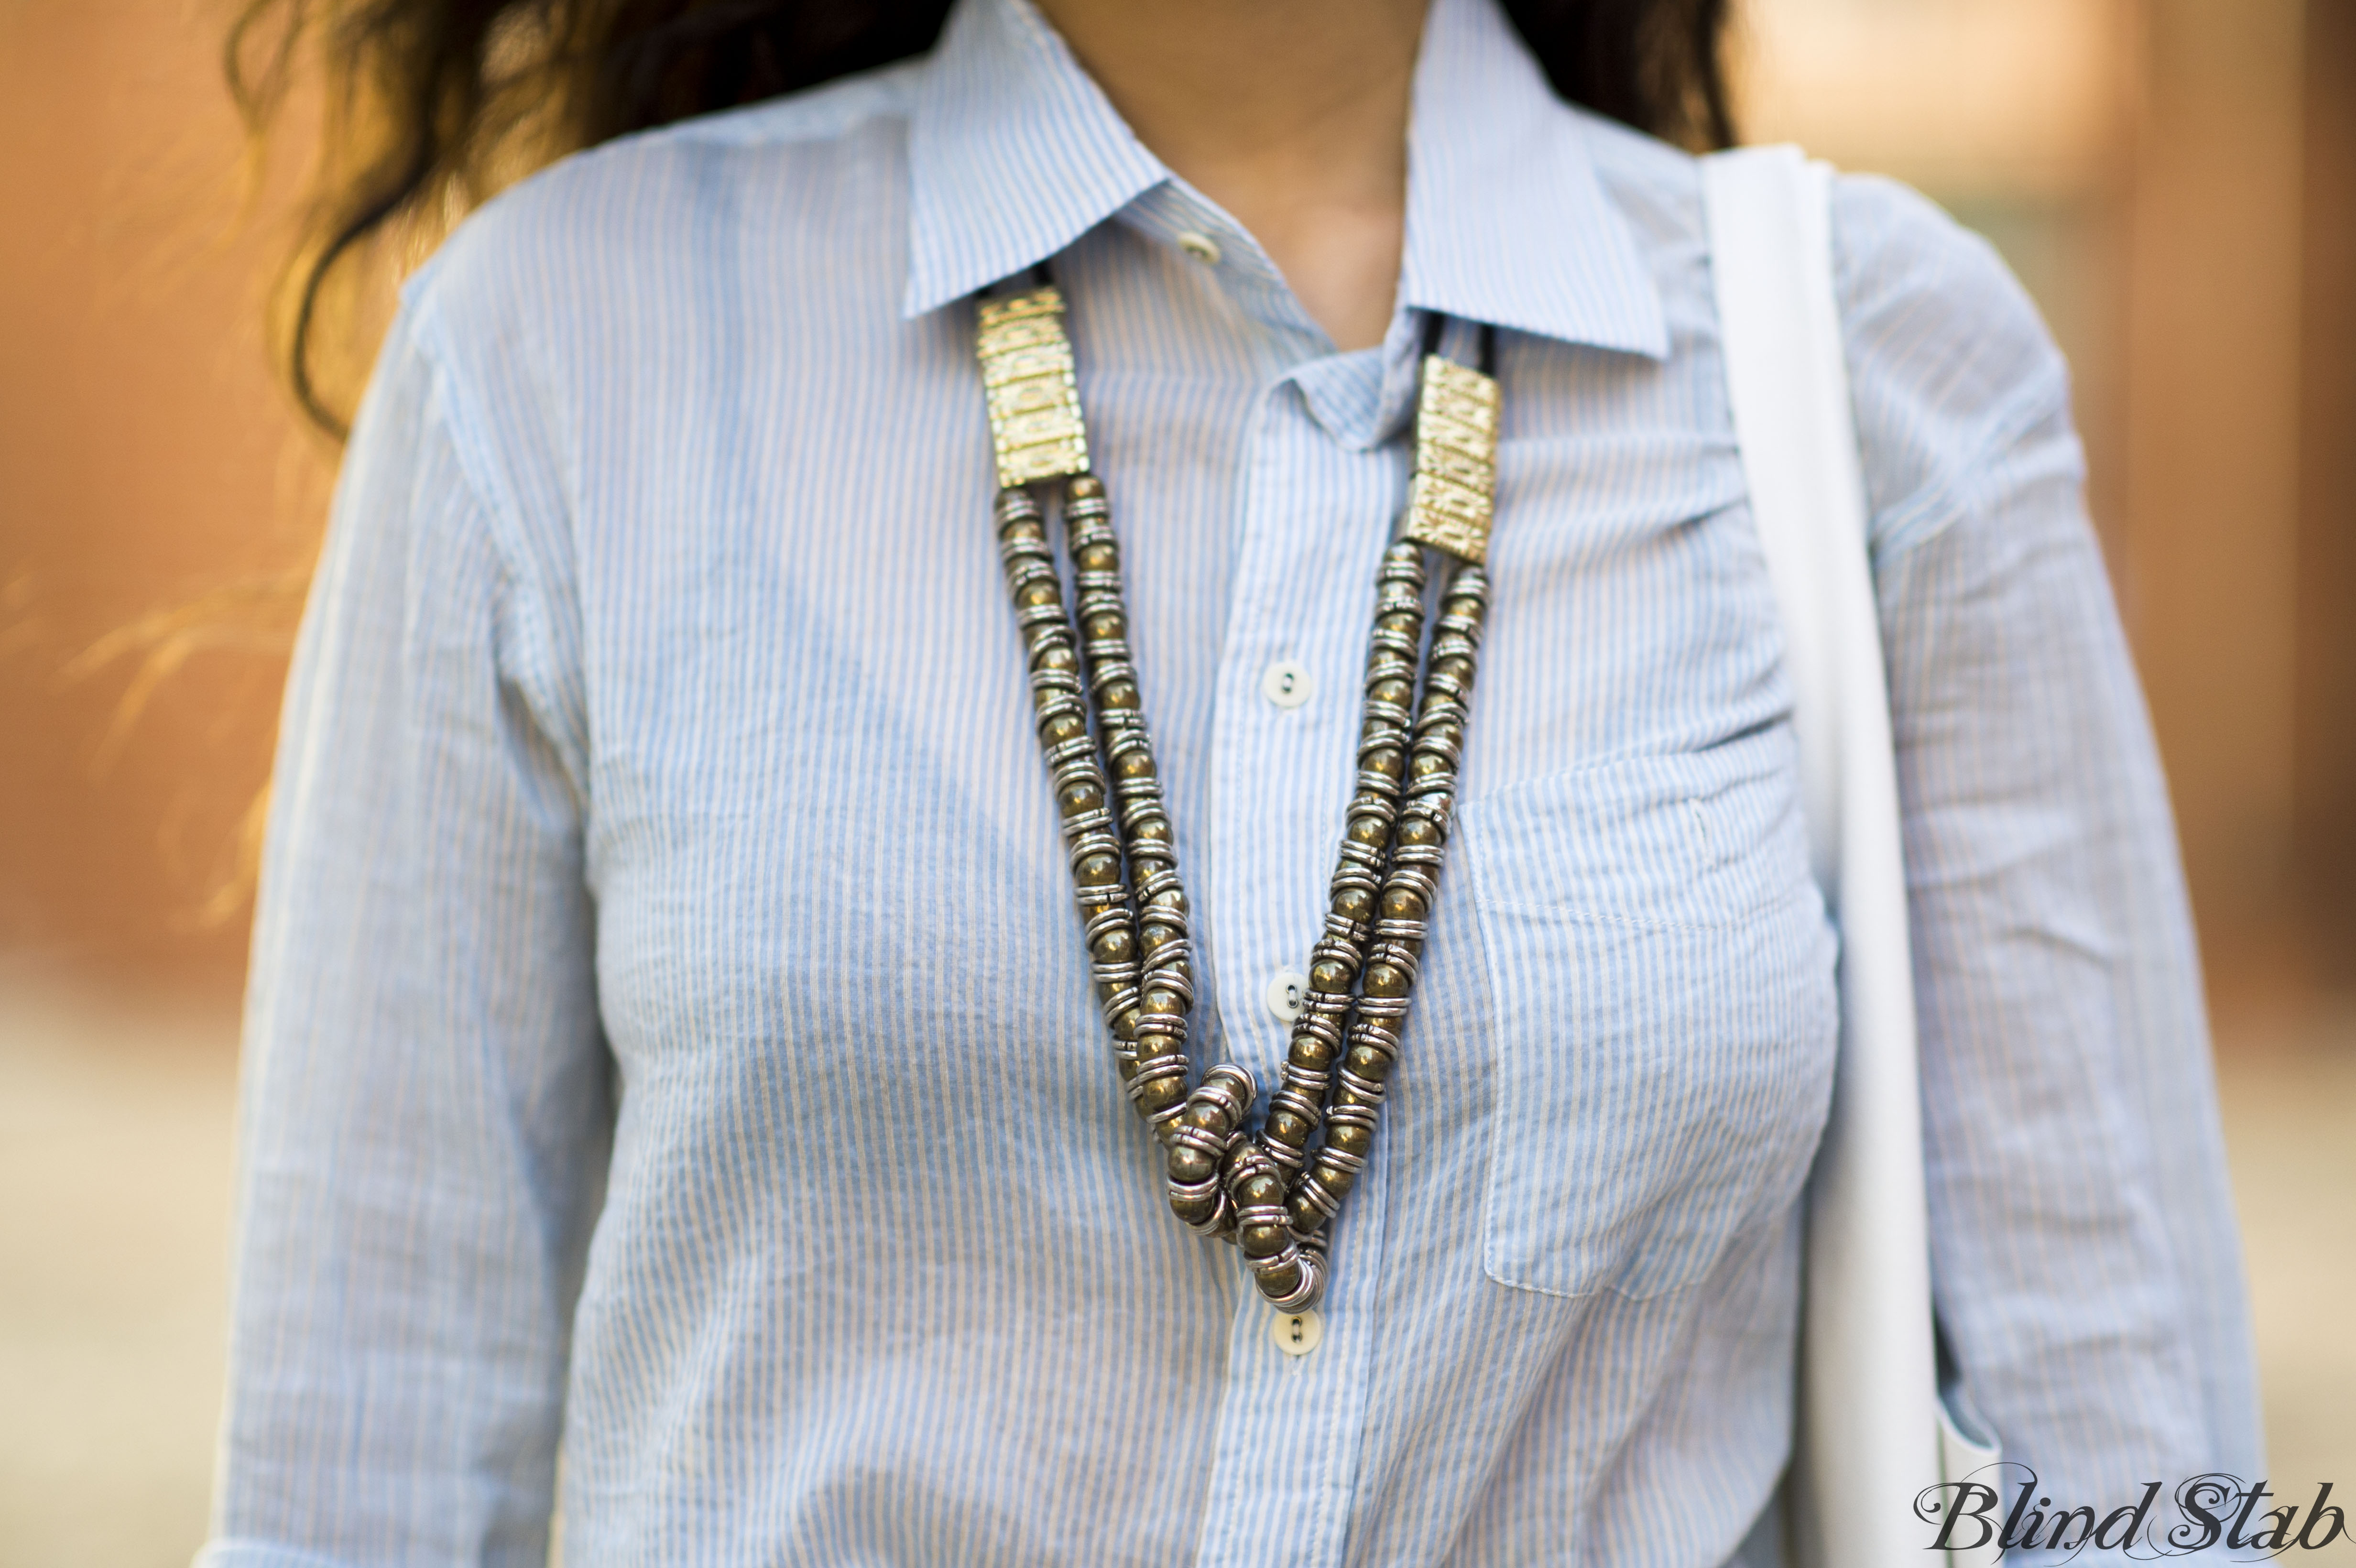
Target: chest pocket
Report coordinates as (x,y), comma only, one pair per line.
(1662,976)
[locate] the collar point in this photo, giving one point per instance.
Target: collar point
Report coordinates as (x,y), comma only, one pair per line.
(921,299)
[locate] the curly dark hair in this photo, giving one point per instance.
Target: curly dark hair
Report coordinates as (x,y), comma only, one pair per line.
(432,104)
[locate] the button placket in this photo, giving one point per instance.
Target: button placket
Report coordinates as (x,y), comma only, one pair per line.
(1303,1399)
(1316,518)
(1283,740)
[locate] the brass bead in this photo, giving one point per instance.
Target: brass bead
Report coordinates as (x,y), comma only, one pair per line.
(1385,980)
(1334,1179)
(1196,1211)
(1417,830)
(1311,1053)
(1161,1095)
(1206,1114)
(1233,1078)
(1402,903)
(1190,1166)
(1349,1138)
(1097,871)
(1351,904)
(1369,1064)
(1158,1054)
(1261,1189)
(1287,1128)
(1263,1240)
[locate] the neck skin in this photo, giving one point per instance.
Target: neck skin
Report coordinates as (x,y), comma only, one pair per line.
(1291,114)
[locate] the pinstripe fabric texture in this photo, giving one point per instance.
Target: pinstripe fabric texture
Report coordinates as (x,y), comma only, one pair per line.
(669,1030)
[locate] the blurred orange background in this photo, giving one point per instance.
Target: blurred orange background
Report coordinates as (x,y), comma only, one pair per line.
(2175,180)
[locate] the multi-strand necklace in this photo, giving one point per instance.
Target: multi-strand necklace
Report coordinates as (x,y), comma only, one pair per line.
(1271,1189)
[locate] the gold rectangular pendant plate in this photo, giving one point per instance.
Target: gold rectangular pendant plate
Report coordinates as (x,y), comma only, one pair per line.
(1035,403)
(1452,497)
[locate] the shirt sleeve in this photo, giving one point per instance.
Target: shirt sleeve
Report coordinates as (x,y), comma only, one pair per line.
(2087,1267)
(426,1098)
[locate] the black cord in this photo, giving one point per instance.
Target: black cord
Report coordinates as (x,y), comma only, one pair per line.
(1435,324)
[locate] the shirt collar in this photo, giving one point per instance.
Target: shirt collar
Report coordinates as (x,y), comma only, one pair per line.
(1013,153)
(1507,221)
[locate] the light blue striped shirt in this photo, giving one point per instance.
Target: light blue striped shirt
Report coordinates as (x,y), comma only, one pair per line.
(670,1032)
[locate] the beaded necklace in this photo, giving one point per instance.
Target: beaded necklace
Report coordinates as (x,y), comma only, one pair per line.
(1272,1191)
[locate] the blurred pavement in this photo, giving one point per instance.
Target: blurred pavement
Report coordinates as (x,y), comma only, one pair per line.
(114,1196)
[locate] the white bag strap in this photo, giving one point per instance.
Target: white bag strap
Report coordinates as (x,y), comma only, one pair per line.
(1871,1430)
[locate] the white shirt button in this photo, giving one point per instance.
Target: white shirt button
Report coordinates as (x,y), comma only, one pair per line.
(1202,247)
(1285,683)
(1287,992)
(1297,1333)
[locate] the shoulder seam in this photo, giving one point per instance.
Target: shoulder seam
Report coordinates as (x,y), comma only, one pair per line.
(1935,507)
(457,414)
(534,665)
(792,119)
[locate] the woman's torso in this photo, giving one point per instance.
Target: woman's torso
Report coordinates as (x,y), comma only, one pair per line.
(884,1270)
